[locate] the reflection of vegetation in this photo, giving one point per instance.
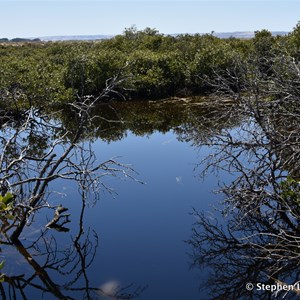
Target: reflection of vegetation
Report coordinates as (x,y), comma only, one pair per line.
(36,150)
(62,273)
(260,242)
(112,121)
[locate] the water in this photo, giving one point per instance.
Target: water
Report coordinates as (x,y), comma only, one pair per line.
(143,230)
(131,233)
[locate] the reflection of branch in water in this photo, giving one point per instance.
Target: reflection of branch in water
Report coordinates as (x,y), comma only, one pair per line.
(77,261)
(49,285)
(261,241)
(35,151)
(68,266)
(57,217)
(236,255)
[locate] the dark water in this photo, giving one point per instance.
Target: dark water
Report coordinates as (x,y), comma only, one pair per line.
(130,228)
(143,230)
(134,235)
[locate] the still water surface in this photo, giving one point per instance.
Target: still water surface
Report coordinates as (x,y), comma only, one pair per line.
(136,236)
(143,230)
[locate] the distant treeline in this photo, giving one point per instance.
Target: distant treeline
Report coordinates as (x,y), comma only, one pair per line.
(141,64)
(18,40)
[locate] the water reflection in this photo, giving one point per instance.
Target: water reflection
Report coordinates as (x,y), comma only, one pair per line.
(58,271)
(259,244)
(45,247)
(112,122)
(35,152)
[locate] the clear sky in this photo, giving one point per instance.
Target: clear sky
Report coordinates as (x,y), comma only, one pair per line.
(44,18)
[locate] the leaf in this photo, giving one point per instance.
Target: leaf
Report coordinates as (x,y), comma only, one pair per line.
(9,216)
(8,198)
(1,264)
(2,206)
(8,207)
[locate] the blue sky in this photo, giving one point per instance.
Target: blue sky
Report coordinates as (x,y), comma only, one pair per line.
(43,18)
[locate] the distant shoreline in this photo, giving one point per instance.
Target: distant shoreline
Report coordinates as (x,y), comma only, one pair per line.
(224,35)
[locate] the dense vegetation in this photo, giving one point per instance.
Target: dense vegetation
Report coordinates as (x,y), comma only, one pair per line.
(143,65)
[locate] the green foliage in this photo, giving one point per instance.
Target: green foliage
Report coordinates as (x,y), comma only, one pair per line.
(2,276)
(155,75)
(86,73)
(30,77)
(6,206)
(6,199)
(263,42)
(290,191)
(154,65)
(294,42)
(211,59)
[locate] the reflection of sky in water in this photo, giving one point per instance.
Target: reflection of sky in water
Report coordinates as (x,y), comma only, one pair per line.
(142,230)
